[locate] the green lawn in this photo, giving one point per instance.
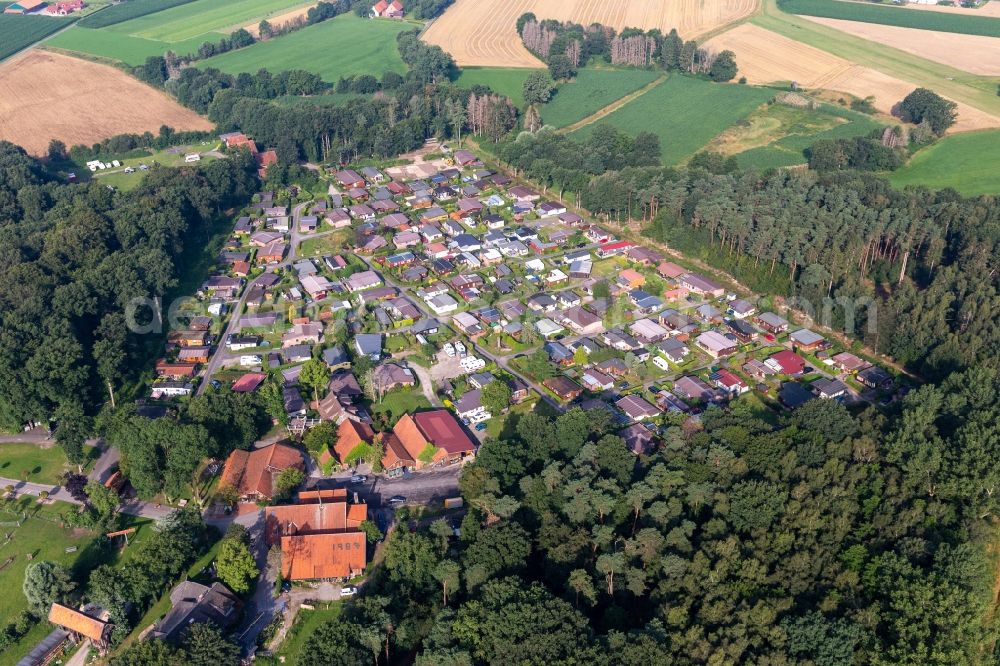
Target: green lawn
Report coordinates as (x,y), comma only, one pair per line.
(344,46)
(507,81)
(171,157)
(591,91)
(968,162)
(198,18)
(686,113)
(898,16)
(125,11)
(28,462)
(977,91)
(19,32)
(128,49)
(306,623)
(399,402)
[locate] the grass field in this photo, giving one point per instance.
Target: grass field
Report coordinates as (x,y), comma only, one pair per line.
(591,91)
(343,46)
(127,10)
(128,49)
(898,16)
(399,402)
(686,113)
(969,163)
(19,32)
(776,135)
(976,91)
(507,81)
(28,462)
(198,18)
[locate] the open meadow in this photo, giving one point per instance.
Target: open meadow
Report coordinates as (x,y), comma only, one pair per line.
(971,53)
(19,32)
(968,24)
(484,32)
(686,113)
(969,163)
(170,26)
(344,46)
(592,90)
(507,81)
(77,101)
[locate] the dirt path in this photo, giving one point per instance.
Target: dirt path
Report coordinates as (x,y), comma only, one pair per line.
(611,108)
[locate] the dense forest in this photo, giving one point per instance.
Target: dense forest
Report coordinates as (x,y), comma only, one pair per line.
(75,256)
(822,539)
(923,264)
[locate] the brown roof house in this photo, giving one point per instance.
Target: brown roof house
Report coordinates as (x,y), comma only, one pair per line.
(350,434)
(433,438)
(82,625)
(320,539)
(252,473)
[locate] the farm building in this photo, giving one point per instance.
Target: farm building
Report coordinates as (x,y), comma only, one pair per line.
(24,7)
(383,9)
(65,8)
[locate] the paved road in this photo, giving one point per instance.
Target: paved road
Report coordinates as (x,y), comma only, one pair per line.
(424,487)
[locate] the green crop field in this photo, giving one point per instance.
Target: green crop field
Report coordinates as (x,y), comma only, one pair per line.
(686,113)
(198,18)
(904,18)
(591,91)
(127,10)
(343,46)
(19,32)
(507,81)
(968,162)
(102,43)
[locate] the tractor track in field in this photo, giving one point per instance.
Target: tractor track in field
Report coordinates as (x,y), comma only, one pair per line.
(611,108)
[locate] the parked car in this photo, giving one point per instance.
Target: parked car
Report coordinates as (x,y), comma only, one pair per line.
(359,478)
(480,426)
(397,499)
(348,591)
(449,349)
(460,349)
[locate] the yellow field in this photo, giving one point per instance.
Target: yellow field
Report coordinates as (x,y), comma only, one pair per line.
(484,32)
(972,53)
(766,57)
(278,20)
(47,96)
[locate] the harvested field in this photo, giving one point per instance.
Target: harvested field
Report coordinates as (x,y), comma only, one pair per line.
(765,57)
(279,20)
(47,96)
(971,53)
(483,32)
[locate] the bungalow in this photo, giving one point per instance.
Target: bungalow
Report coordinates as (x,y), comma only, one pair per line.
(548,328)
(369,344)
(372,175)
(648,331)
(338,218)
(694,388)
(716,344)
(670,270)
(611,249)
(272,254)
(442,266)
(875,377)
(805,340)
(349,178)
(729,382)
(787,363)
(249,382)
(468,324)
(373,244)
(434,214)
(558,353)
(336,357)
(563,387)
(701,285)
(568,299)
(550,208)
(848,362)
(309,333)
(596,381)
(194,354)
(758,369)
(363,280)
(620,340)
(523,194)
(296,354)
(465,158)
(265,238)
(637,408)
(572,219)
(741,330)
(467,243)
(175,370)
(583,322)
(673,350)
(390,376)
(741,309)
(638,439)
(541,302)
(581,269)
(252,473)
(361,212)
(644,301)
(317,286)
(709,313)
(308,223)
(771,322)
(829,388)
(469,206)
(170,389)
(470,407)
(644,256)
(614,367)
(793,395)
(630,279)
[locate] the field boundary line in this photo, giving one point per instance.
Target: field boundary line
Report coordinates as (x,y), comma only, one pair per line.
(611,108)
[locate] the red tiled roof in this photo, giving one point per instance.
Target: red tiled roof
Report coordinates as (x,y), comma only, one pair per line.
(252,472)
(292,519)
(442,429)
(249,382)
(790,362)
(312,556)
(77,622)
(350,433)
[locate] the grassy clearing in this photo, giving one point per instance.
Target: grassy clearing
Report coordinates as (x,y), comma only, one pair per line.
(129,49)
(196,19)
(28,462)
(344,46)
(686,113)
(306,623)
(977,91)
(19,32)
(886,15)
(126,11)
(591,91)
(969,163)
(776,135)
(503,80)
(171,157)
(401,401)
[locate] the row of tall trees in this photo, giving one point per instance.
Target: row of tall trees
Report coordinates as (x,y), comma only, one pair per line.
(823,538)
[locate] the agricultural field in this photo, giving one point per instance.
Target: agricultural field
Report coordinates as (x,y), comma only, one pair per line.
(349,45)
(80,102)
(484,32)
(987,26)
(777,134)
(969,163)
(507,81)
(19,32)
(591,91)
(170,26)
(768,57)
(128,10)
(279,20)
(971,53)
(686,113)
